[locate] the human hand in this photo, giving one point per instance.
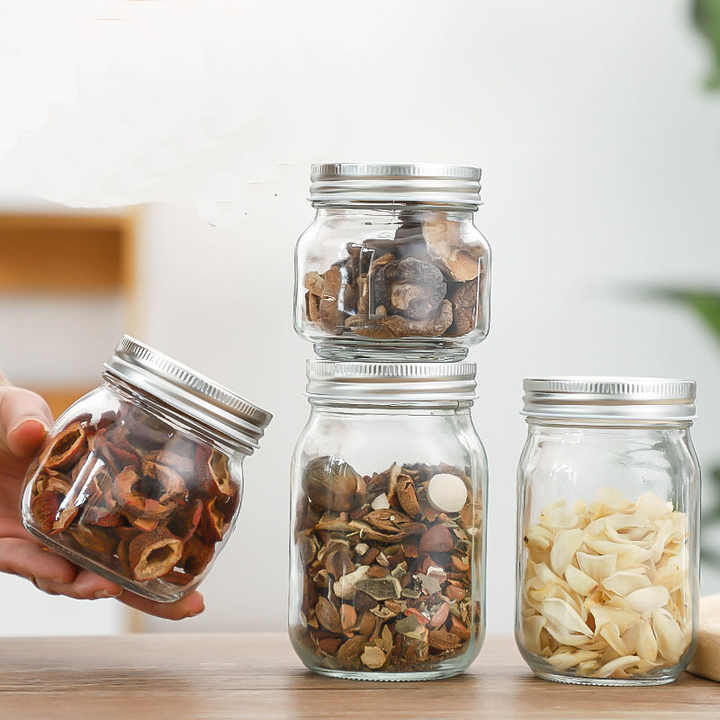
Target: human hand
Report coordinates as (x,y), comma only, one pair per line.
(24,422)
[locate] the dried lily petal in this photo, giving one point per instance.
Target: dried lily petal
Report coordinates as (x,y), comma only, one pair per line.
(579,581)
(559,612)
(647,599)
(624,582)
(566,660)
(670,638)
(640,640)
(597,567)
(566,544)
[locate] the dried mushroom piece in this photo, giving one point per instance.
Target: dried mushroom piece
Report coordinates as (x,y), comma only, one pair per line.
(442,236)
(386,581)
(414,288)
(606,586)
(154,554)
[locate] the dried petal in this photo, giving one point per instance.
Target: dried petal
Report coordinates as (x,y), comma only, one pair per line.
(579,581)
(671,641)
(560,613)
(648,599)
(624,582)
(597,567)
(564,548)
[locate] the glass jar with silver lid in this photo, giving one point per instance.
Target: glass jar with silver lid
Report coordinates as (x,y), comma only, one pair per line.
(392,265)
(141,479)
(608,525)
(387,563)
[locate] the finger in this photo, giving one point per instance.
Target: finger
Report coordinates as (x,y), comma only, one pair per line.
(28,559)
(191,605)
(25,419)
(86,586)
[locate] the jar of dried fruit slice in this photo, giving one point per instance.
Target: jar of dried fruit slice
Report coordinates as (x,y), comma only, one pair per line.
(387,570)
(608,525)
(392,264)
(141,479)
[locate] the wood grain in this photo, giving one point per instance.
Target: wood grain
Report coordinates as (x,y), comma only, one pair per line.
(256,675)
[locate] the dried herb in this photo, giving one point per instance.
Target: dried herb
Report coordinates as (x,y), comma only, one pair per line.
(386,578)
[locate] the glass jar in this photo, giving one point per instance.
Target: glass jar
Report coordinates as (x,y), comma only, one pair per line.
(141,479)
(608,524)
(392,264)
(387,550)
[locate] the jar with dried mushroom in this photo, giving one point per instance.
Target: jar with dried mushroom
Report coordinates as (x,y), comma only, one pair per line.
(387,569)
(141,479)
(608,524)
(392,264)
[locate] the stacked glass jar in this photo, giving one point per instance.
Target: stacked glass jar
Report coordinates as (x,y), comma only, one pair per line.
(387,578)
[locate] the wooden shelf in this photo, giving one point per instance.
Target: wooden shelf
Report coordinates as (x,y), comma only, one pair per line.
(66,254)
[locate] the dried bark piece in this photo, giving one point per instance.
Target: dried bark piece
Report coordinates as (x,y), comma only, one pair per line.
(328,615)
(44,508)
(312,307)
(154,554)
(443,640)
(69,446)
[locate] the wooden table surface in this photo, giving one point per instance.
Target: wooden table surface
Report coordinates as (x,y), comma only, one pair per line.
(256,675)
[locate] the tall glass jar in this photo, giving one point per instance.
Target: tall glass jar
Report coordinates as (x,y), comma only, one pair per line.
(608,525)
(387,551)
(392,265)
(141,479)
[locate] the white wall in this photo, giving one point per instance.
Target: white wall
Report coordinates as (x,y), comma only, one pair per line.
(601,159)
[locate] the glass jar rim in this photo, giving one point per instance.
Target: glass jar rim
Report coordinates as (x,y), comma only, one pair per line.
(390,383)
(609,398)
(430,183)
(189,392)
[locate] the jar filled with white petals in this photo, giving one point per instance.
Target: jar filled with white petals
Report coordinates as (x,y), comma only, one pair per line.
(608,525)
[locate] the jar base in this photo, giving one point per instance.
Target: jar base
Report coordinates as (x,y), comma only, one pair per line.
(101,570)
(419,676)
(390,351)
(606,682)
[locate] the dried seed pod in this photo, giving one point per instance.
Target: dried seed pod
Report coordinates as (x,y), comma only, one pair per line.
(348,617)
(351,649)
(52,481)
(185,520)
(373,657)
(67,448)
(331,484)
(44,508)
(328,615)
(154,554)
(405,490)
(176,577)
(135,505)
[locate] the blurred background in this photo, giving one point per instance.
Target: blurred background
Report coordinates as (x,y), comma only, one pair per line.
(154,169)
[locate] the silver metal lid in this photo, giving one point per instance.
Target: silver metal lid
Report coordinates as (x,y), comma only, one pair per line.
(390,383)
(395,182)
(188,391)
(630,398)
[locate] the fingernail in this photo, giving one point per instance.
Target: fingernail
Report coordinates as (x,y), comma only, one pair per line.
(30,418)
(101,594)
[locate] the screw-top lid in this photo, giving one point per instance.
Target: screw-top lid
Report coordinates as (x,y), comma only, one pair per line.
(631,398)
(395,182)
(390,383)
(188,391)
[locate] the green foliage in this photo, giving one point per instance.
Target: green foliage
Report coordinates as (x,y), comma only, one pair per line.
(706,16)
(706,305)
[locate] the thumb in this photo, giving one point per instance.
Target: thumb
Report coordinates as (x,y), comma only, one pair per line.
(25,420)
